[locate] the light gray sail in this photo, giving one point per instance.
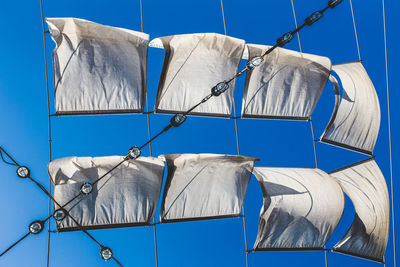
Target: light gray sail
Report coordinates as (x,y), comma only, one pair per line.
(367,189)
(97,68)
(356,124)
(302,208)
(127,196)
(287,85)
(205,186)
(193,64)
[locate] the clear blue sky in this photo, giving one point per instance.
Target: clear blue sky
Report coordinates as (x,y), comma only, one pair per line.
(23,126)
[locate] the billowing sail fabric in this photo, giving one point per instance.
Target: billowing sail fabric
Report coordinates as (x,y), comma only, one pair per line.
(97,68)
(205,186)
(127,196)
(356,125)
(367,189)
(193,64)
(302,208)
(287,85)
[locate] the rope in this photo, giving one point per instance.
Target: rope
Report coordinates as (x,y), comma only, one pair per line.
(295,23)
(355,30)
(149,134)
(15,243)
(13,163)
(389,133)
(314,141)
(310,120)
(223,15)
(237,146)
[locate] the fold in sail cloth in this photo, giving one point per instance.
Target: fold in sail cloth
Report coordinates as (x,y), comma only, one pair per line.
(356,124)
(287,85)
(302,208)
(367,189)
(193,64)
(128,196)
(97,68)
(205,186)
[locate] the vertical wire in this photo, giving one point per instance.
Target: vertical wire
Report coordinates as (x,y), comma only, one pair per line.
(237,146)
(150,148)
(315,148)
(355,30)
(295,22)
(389,132)
(310,120)
(49,126)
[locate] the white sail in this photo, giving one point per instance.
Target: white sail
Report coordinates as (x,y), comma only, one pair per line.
(204,186)
(193,64)
(127,196)
(356,124)
(302,208)
(97,68)
(287,85)
(369,233)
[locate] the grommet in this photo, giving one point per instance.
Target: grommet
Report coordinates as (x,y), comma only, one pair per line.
(59,214)
(134,152)
(219,88)
(23,172)
(36,227)
(178,119)
(86,188)
(254,62)
(106,253)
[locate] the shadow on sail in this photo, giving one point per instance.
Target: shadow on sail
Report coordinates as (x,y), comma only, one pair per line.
(356,124)
(302,208)
(97,69)
(365,185)
(126,197)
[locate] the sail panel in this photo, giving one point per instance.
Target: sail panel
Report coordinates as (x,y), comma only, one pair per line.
(356,124)
(205,186)
(369,233)
(302,208)
(97,69)
(287,85)
(193,64)
(128,196)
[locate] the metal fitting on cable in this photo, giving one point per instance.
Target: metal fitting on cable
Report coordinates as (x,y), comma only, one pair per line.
(286,38)
(60,214)
(178,119)
(334,3)
(134,152)
(313,18)
(36,227)
(106,253)
(23,172)
(86,188)
(254,62)
(219,88)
